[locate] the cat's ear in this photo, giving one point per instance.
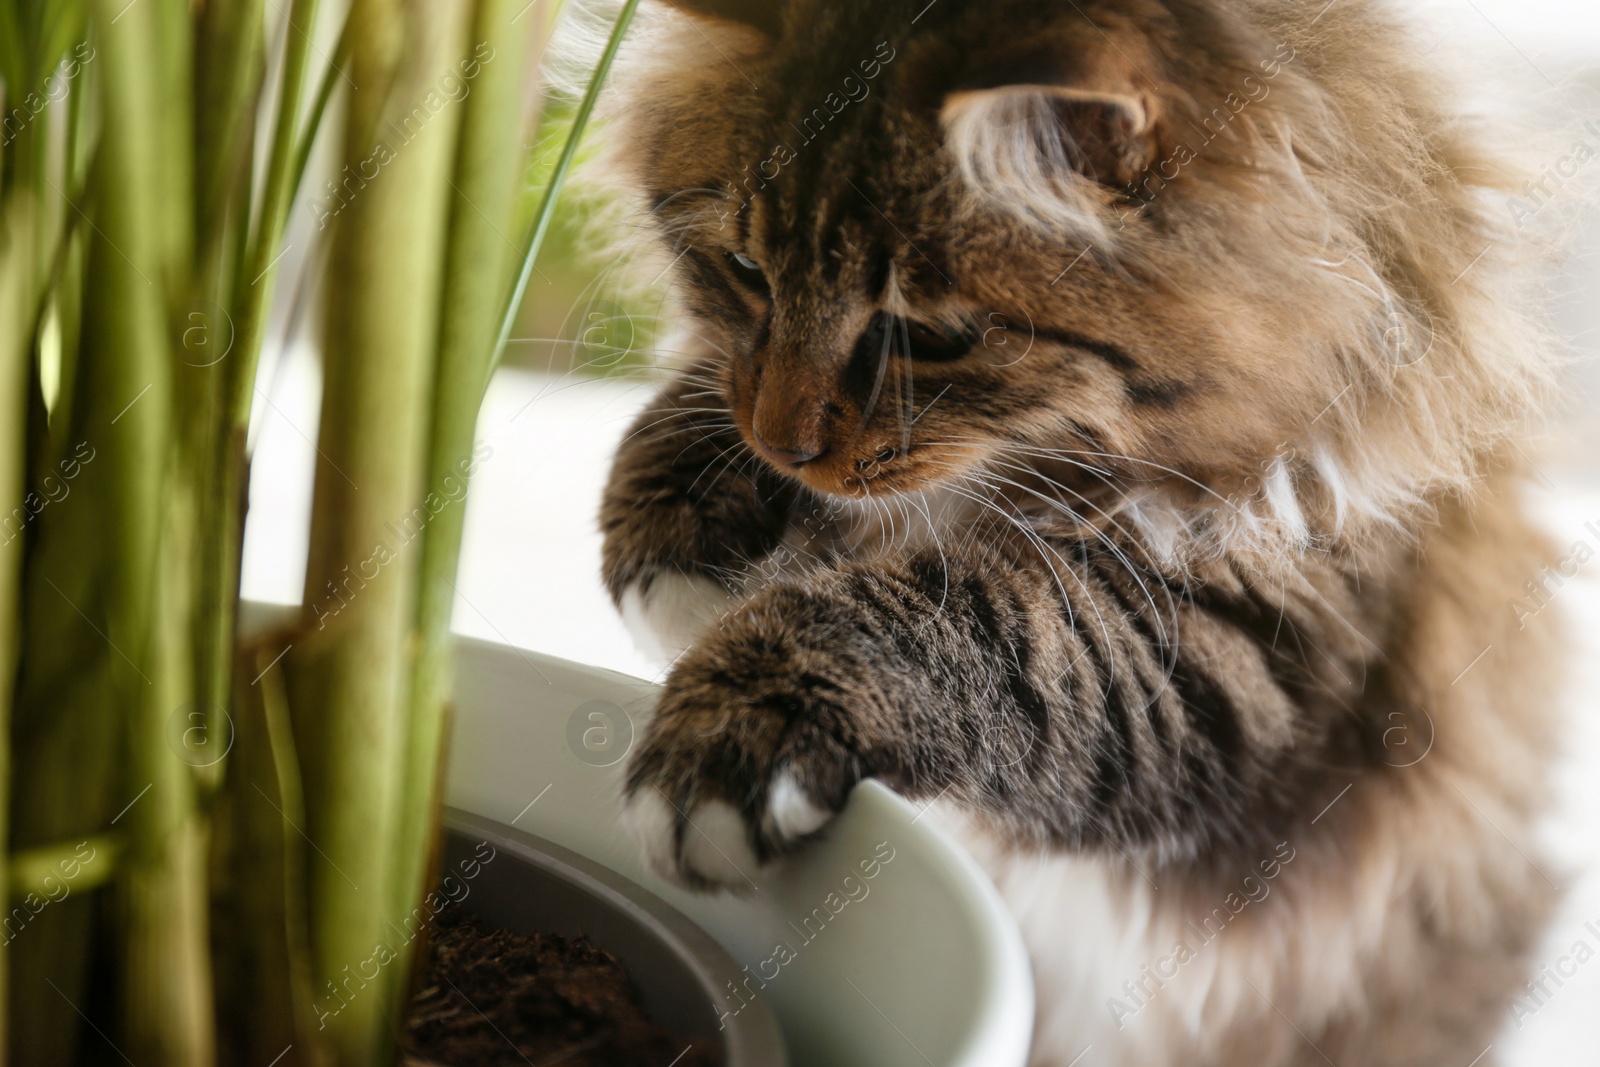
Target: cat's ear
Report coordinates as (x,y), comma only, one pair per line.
(1086,110)
(763,15)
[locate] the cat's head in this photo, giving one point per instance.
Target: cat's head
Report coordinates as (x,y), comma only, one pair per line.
(1217,260)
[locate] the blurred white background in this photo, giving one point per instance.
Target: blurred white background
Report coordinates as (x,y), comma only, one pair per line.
(530,572)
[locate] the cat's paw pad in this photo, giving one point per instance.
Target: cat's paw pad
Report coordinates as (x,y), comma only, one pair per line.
(669,612)
(714,844)
(710,848)
(710,799)
(791,813)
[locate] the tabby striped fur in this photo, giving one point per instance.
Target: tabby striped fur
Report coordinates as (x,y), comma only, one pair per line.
(1097,419)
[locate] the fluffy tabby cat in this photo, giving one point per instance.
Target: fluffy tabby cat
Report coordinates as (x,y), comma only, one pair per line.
(1102,419)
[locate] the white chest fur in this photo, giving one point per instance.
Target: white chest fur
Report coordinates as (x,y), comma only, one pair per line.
(1130,973)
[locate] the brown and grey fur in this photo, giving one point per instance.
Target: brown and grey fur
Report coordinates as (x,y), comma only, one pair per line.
(1158,519)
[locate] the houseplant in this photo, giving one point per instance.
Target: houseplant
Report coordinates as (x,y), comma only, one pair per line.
(164,782)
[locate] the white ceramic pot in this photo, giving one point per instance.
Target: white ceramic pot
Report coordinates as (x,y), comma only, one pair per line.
(883,945)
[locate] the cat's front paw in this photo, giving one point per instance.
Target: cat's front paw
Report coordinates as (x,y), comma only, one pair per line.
(737,767)
(668,612)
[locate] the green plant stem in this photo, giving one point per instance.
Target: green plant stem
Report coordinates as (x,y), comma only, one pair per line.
(319,105)
(228,73)
(291,798)
(16,334)
(142,214)
(45,871)
(350,672)
(254,285)
(228,62)
(224,469)
(487,166)
(545,214)
(477,270)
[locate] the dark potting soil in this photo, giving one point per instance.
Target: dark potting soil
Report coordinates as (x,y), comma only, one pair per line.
(494,998)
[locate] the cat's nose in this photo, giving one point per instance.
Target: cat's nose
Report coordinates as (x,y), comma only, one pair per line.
(787,457)
(788,421)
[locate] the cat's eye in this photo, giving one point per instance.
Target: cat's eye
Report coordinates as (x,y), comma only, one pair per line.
(748,271)
(912,339)
(931,344)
